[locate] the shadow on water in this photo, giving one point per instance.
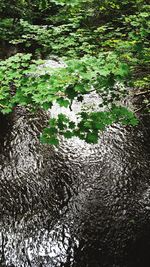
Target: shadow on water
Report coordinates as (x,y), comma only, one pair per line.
(78,205)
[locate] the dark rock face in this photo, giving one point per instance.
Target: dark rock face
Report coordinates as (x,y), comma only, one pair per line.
(89,206)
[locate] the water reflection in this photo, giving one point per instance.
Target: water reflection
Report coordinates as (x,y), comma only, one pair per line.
(42,247)
(36,185)
(76,206)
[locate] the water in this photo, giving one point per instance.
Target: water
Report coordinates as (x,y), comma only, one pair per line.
(78,205)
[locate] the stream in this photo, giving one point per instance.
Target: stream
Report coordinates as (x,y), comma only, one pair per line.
(77,205)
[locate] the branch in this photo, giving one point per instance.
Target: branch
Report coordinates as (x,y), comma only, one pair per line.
(142,93)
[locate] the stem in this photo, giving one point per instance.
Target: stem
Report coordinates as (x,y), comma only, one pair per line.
(142,93)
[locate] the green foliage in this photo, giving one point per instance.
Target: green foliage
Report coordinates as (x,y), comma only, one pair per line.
(89,125)
(22,83)
(41,87)
(104,44)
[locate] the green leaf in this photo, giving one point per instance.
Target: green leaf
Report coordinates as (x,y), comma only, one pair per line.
(63,102)
(92,138)
(68,134)
(53,141)
(53,122)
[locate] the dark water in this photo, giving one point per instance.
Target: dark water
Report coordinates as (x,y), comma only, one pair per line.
(75,206)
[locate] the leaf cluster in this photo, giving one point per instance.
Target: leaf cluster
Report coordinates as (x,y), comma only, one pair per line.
(104,44)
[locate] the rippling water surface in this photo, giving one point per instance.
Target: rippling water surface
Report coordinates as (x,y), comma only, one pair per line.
(78,205)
